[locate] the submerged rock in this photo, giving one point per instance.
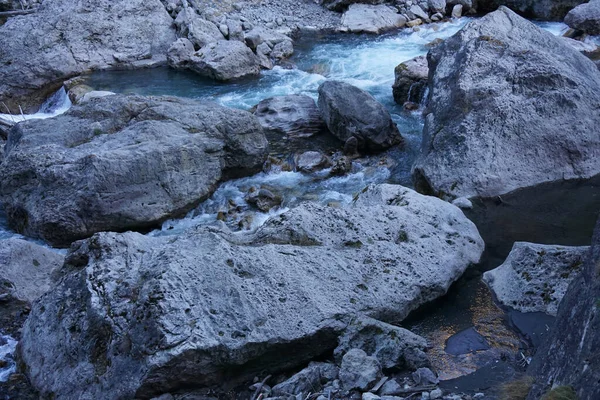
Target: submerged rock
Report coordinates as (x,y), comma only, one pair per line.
(293,115)
(64,38)
(585,18)
(371,19)
(138,316)
(535,277)
(510,106)
(410,80)
(311,161)
(122,162)
(225,60)
(349,111)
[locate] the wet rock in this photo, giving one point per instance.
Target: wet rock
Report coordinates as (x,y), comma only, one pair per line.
(457,11)
(122,162)
(358,370)
(293,115)
(65,38)
(152,314)
(371,19)
(283,50)
(564,358)
(535,277)
(310,379)
(263,199)
(225,60)
(466,342)
(180,53)
(311,161)
(490,72)
(547,10)
(351,147)
(410,80)
(585,18)
(425,377)
(341,166)
(198,30)
(349,111)
(392,346)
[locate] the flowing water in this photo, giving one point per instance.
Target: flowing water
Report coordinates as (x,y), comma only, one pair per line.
(367,62)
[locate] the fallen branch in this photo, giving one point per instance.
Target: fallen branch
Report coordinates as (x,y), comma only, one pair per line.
(16,12)
(259,387)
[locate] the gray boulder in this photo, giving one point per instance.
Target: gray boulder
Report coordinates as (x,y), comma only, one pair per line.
(437,6)
(341,5)
(225,60)
(122,162)
(535,277)
(311,161)
(198,30)
(359,371)
(568,355)
(293,115)
(410,80)
(310,380)
(260,35)
(585,18)
(392,346)
(349,111)
(371,19)
(145,315)
(180,53)
(28,270)
(510,106)
(65,38)
(548,10)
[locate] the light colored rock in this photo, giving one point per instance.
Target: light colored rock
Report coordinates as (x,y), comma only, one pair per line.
(198,30)
(283,50)
(585,17)
(359,371)
(370,396)
(457,11)
(391,387)
(310,379)
(349,111)
(535,277)
(425,377)
(225,60)
(417,12)
(260,35)
(180,53)
(151,314)
(311,161)
(546,10)
(371,19)
(437,6)
(436,394)
(95,94)
(503,68)
(122,162)
(27,270)
(414,22)
(292,115)
(463,202)
(410,80)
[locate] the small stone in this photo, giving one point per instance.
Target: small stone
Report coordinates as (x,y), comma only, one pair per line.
(425,396)
(478,396)
(457,11)
(463,202)
(391,387)
(359,371)
(414,22)
(435,394)
(370,396)
(424,376)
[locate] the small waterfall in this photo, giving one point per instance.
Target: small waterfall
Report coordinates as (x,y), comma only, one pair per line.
(423,102)
(8,346)
(55,105)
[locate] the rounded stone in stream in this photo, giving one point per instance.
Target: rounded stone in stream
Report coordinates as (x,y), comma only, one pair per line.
(293,115)
(139,316)
(466,342)
(585,18)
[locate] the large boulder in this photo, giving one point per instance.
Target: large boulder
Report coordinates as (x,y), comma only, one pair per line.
(351,112)
(65,38)
(341,5)
(510,106)
(122,162)
(535,277)
(225,60)
(568,356)
(371,19)
(410,80)
(292,115)
(137,316)
(548,10)
(198,30)
(585,18)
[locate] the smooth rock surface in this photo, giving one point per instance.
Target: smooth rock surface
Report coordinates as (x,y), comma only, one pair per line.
(510,106)
(293,115)
(371,19)
(143,315)
(585,18)
(349,111)
(122,162)
(410,80)
(535,277)
(65,38)
(225,60)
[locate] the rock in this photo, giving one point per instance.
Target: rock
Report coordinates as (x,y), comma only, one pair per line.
(282,50)
(310,379)
(370,396)
(292,115)
(349,111)
(589,49)
(437,6)
(415,12)
(180,53)
(225,60)
(436,394)
(340,5)
(535,277)
(564,358)
(585,18)
(341,166)
(463,202)
(502,68)
(95,94)
(263,199)
(411,80)
(391,387)
(392,346)
(198,30)
(371,19)
(414,22)
(547,10)
(235,30)
(64,38)
(28,270)
(311,161)
(457,11)
(257,36)
(122,162)
(351,147)
(359,371)
(151,314)
(466,342)
(425,377)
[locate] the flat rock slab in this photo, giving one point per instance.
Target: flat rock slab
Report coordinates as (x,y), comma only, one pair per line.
(122,162)
(510,106)
(465,342)
(140,316)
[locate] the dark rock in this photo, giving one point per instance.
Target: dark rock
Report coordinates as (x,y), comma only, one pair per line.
(349,111)
(533,326)
(263,199)
(585,18)
(425,377)
(294,115)
(411,80)
(122,162)
(466,342)
(341,5)
(359,371)
(510,106)
(548,10)
(568,355)
(225,60)
(351,146)
(341,166)
(311,161)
